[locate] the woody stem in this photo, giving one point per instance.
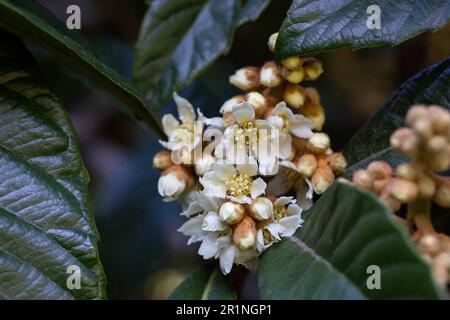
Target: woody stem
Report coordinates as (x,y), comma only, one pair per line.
(419,214)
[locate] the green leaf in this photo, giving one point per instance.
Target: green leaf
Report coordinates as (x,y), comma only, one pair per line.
(179,39)
(317,26)
(371,142)
(205,283)
(344,233)
(46,223)
(30,20)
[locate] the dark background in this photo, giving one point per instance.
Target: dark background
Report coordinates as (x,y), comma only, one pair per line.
(142,253)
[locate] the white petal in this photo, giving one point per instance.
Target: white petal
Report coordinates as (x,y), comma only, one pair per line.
(169,124)
(170,187)
(258,188)
(185,109)
(209,248)
(250,167)
(241,199)
(223,171)
(282,201)
(294,210)
(193,208)
(281,109)
(301,127)
(285,146)
(192,226)
(213,187)
(195,238)
(227,258)
(212,222)
(224,241)
(171,145)
(304,195)
(207,203)
(275,229)
(243,112)
(260,241)
(290,225)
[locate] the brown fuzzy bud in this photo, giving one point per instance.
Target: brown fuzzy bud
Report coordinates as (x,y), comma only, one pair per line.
(293,76)
(442,194)
(440,119)
(437,144)
(438,162)
(426,186)
(429,244)
(319,143)
(380,169)
(258,102)
(244,234)
(423,128)
(314,112)
(416,112)
(294,95)
(399,136)
(292,63)
(392,203)
(322,179)
(379,185)
(403,190)
(313,68)
(337,162)
(162,160)
(272,41)
(270,75)
(363,179)
(406,171)
(307,165)
(245,78)
(301,145)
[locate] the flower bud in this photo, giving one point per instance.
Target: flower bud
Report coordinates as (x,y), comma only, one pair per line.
(440,119)
(162,160)
(272,41)
(399,136)
(261,209)
(403,190)
(313,68)
(426,186)
(231,212)
(322,179)
(312,95)
(379,185)
(337,162)
(245,78)
(380,169)
(363,179)
(244,235)
(294,95)
(406,171)
(392,203)
(414,113)
(319,143)
(270,75)
(437,144)
(293,76)
(258,102)
(438,162)
(307,165)
(442,195)
(292,63)
(204,164)
(442,268)
(423,128)
(230,103)
(429,244)
(173,181)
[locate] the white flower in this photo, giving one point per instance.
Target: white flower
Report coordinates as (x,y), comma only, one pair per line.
(286,220)
(185,135)
(233,182)
(250,137)
(283,118)
(204,164)
(170,186)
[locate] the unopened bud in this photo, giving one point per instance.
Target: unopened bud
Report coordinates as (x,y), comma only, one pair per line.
(313,95)
(426,186)
(231,212)
(399,136)
(258,102)
(429,244)
(292,63)
(244,235)
(392,203)
(230,103)
(438,162)
(406,171)
(261,209)
(162,160)
(416,112)
(270,75)
(293,76)
(319,143)
(313,68)
(173,181)
(294,95)
(403,190)
(437,144)
(440,119)
(307,165)
(272,41)
(380,169)
(442,195)
(363,179)
(337,162)
(379,185)
(245,78)
(423,128)
(314,112)
(322,179)
(204,164)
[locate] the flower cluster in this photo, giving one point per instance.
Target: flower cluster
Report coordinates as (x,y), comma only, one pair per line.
(245,178)
(426,141)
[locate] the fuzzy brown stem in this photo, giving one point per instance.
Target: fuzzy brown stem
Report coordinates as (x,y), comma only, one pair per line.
(419,214)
